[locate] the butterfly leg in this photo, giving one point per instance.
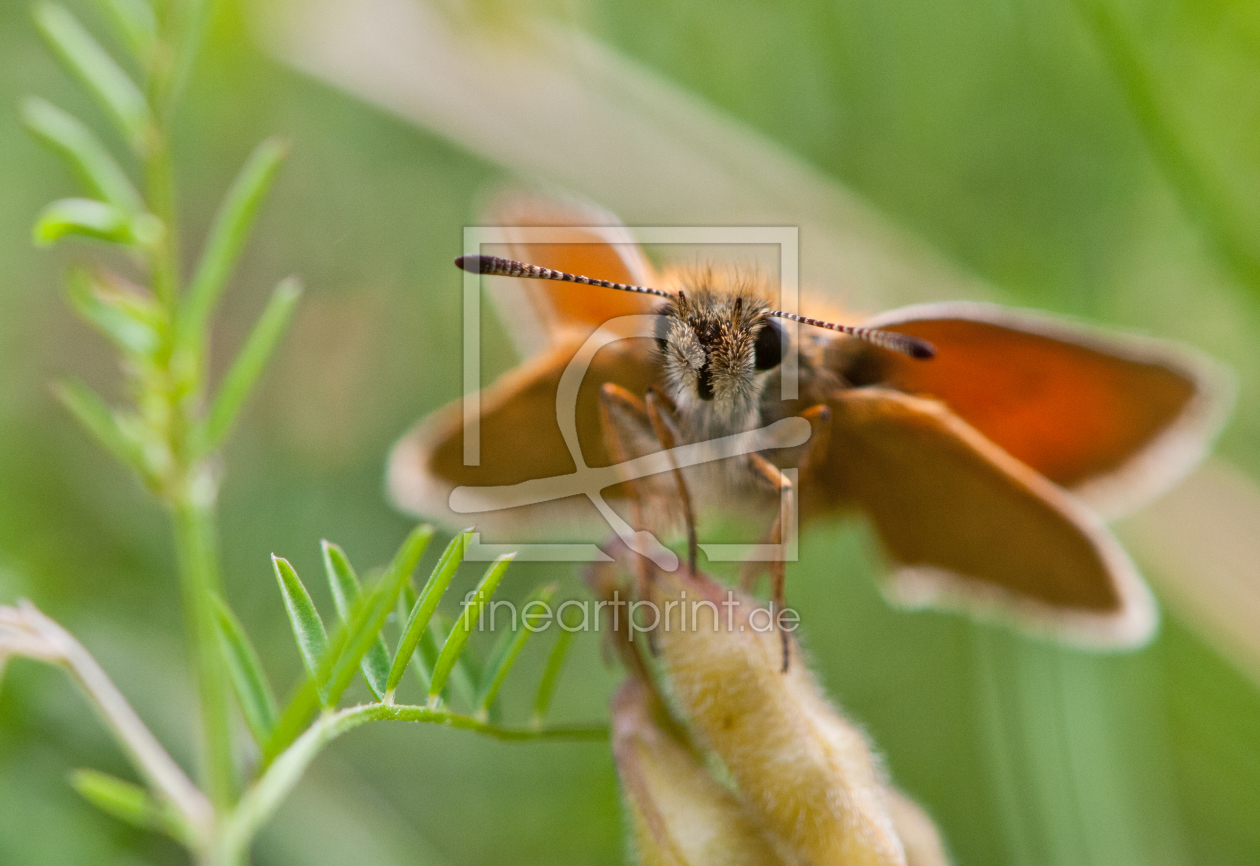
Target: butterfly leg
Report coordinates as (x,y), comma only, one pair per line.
(819,418)
(771,477)
(616,407)
(665,425)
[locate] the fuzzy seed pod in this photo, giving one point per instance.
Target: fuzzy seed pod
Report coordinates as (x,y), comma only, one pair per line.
(680,815)
(807,778)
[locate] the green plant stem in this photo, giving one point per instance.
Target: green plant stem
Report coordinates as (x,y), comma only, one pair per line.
(195,540)
(188,490)
(264,796)
(41,638)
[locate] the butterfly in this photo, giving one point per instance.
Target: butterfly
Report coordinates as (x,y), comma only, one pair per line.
(984,444)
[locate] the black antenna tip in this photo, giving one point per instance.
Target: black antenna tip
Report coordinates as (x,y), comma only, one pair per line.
(921,349)
(474,264)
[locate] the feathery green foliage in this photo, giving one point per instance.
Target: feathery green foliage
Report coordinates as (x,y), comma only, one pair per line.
(170,437)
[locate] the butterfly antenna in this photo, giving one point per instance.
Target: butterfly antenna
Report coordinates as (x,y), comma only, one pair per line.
(501,267)
(498,266)
(903,343)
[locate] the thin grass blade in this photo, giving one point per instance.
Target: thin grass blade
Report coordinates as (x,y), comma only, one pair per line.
(97,71)
(344,584)
(249,364)
(1205,192)
(79,146)
(365,628)
(426,604)
(467,621)
(510,645)
(227,236)
(308,628)
(253,692)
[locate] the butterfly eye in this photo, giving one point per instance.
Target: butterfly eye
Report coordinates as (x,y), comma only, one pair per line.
(768,350)
(662,329)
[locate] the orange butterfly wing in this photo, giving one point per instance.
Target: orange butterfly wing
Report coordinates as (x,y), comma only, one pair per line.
(1114,419)
(520,440)
(593,244)
(519,434)
(973,528)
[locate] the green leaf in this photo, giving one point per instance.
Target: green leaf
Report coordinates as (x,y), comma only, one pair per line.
(308,628)
(99,420)
(364,629)
(80,147)
(509,647)
(130,803)
(136,24)
(228,235)
(94,219)
(422,610)
(345,591)
(464,677)
(258,703)
(342,580)
(81,216)
(459,635)
(131,321)
(551,674)
(406,600)
(249,364)
(97,71)
(462,683)
(426,653)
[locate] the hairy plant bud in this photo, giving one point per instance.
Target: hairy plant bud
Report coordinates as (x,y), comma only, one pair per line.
(681,816)
(807,778)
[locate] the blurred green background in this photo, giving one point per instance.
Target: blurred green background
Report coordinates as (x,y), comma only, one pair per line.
(1100,159)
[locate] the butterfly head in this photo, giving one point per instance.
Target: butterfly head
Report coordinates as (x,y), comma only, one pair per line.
(717,347)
